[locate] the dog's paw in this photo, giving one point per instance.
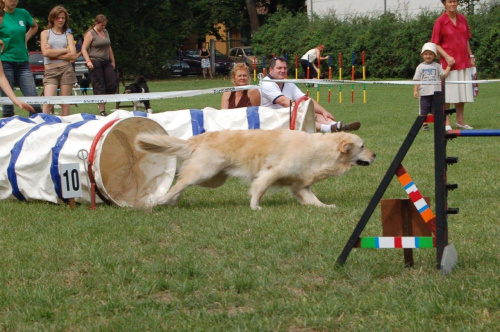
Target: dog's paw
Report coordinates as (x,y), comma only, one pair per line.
(330,206)
(146,206)
(256,208)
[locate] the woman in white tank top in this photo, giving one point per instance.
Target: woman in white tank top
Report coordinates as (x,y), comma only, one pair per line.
(58,48)
(309,60)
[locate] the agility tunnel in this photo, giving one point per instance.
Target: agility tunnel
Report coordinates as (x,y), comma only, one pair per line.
(31,155)
(33,150)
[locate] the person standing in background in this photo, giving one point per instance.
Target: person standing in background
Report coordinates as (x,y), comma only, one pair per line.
(205,60)
(15,59)
(100,60)
(59,50)
(451,35)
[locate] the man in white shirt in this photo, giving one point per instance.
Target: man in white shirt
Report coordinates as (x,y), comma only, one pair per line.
(279,95)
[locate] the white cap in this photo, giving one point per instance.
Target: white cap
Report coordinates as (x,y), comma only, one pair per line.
(429,47)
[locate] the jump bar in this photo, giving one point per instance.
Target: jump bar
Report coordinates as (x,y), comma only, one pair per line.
(475,132)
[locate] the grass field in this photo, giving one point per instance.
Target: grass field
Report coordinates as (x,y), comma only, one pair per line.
(213,264)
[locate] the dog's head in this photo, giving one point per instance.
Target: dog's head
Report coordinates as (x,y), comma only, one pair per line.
(140,80)
(353,148)
(132,88)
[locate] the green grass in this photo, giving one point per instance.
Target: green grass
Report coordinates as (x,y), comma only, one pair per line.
(213,264)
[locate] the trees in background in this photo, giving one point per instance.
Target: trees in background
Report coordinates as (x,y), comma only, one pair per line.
(146,33)
(392,42)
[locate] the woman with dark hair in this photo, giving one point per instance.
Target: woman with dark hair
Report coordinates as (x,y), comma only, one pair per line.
(14,56)
(205,60)
(451,35)
(59,50)
(98,54)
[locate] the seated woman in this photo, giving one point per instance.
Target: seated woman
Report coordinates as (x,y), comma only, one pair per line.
(240,76)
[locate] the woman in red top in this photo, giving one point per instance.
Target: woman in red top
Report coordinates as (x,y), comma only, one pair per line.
(451,34)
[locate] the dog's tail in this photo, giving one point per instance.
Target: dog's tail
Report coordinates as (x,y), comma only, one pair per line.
(163,143)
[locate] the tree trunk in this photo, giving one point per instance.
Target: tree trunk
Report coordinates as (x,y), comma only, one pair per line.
(252,13)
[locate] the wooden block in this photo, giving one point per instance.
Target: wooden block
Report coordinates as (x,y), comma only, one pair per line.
(401,218)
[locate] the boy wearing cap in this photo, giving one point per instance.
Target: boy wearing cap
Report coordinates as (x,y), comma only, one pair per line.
(428,71)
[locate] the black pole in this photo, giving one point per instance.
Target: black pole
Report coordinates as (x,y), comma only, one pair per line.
(440,175)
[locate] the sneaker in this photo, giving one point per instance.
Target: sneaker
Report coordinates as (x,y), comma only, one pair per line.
(340,126)
(447,128)
(465,126)
(103,113)
(425,127)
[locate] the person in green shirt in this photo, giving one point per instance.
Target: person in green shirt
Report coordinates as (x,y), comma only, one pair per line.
(16,29)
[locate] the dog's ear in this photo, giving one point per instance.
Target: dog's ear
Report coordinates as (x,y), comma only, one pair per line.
(345,145)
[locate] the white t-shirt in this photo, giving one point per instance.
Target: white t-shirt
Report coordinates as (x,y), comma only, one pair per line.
(270,91)
(310,55)
(428,72)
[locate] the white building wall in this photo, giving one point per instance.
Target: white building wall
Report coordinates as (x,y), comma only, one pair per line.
(344,8)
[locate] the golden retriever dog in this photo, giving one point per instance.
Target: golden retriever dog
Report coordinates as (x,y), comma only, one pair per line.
(266,158)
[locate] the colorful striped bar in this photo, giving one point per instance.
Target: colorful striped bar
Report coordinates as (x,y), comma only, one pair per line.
(397,242)
(416,197)
(475,132)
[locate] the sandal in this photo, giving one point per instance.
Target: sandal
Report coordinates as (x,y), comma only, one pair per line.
(465,126)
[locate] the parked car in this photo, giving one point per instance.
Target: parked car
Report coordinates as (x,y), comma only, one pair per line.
(80,67)
(36,66)
(243,54)
(178,67)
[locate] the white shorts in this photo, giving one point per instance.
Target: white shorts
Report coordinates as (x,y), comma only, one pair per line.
(459,93)
(205,63)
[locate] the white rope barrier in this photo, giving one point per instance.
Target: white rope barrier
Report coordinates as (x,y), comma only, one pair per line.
(95,99)
(341,82)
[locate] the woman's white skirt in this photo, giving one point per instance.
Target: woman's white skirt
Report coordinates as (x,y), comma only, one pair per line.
(205,63)
(459,93)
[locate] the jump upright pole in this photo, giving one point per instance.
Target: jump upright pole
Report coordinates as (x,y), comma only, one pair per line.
(441,162)
(340,78)
(353,61)
(296,67)
(364,76)
(329,77)
(319,76)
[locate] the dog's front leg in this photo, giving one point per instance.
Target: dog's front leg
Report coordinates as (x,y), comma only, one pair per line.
(264,180)
(306,196)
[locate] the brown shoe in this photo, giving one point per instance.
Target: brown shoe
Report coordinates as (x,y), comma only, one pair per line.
(340,126)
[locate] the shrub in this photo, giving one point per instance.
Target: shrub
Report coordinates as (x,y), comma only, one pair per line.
(392,42)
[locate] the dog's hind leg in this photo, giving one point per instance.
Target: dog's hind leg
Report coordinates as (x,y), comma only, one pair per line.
(174,194)
(306,196)
(197,172)
(264,180)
